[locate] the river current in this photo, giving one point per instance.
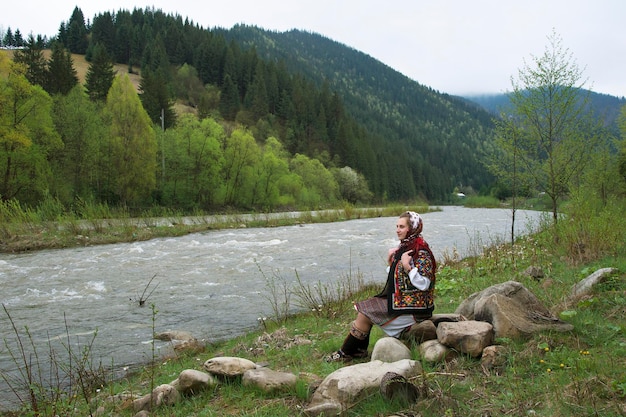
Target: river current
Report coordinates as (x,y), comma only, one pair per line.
(210,284)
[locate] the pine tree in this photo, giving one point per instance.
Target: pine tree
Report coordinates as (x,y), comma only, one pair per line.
(32,57)
(77,33)
(100,74)
(156,98)
(61,73)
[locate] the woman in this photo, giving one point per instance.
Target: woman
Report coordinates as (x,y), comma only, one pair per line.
(408,296)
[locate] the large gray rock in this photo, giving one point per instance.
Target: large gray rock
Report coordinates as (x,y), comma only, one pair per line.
(268,380)
(191,381)
(346,386)
(512,310)
(421,332)
(469,337)
(512,319)
(228,366)
(390,349)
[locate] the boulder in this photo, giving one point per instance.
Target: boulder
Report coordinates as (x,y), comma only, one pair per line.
(585,286)
(433,352)
(268,380)
(512,320)
(469,337)
(512,310)
(174,335)
(191,381)
(534,272)
(421,332)
(390,349)
(346,386)
(446,317)
(162,395)
(228,366)
(493,358)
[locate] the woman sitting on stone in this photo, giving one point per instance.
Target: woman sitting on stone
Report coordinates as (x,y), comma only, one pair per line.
(408,296)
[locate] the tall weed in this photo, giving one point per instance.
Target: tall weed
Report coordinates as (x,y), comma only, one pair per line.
(51,384)
(591,229)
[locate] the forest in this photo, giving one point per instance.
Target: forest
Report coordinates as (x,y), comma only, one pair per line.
(221,119)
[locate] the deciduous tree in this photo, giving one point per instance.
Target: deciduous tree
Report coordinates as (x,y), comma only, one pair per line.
(77,165)
(133,146)
(27,136)
(550,122)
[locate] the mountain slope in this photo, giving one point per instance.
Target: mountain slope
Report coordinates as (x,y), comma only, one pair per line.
(444,135)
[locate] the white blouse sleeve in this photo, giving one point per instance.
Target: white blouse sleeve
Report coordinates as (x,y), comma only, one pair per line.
(419,281)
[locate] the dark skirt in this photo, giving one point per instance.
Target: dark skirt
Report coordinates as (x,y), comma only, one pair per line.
(376,310)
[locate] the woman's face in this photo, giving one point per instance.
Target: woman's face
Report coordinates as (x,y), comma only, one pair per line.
(402,228)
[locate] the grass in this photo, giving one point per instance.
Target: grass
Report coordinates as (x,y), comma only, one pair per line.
(557,374)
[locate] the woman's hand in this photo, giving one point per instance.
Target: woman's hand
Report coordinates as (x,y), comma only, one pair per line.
(391,254)
(406,260)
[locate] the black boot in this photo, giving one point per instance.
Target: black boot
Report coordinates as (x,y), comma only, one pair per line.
(354,347)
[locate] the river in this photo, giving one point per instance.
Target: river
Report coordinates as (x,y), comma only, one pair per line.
(211,284)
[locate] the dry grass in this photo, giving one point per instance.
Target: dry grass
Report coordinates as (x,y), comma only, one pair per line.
(81,66)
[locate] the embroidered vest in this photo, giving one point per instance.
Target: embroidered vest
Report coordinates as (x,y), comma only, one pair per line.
(402,296)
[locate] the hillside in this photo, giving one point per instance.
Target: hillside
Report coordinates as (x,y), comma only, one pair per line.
(444,133)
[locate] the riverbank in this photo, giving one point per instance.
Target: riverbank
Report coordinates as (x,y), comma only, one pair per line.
(558,374)
(69,233)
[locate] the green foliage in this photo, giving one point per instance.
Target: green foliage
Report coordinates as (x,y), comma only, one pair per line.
(76,164)
(28,136)
(591,227)
(352,186)
(132,145)
(396,140)
(194,157)
(622,152)
(318,182)
(31,56)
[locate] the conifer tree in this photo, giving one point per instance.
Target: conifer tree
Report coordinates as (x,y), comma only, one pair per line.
(35,62)
(61,73)
(100,74)
(76,36)
(156,98)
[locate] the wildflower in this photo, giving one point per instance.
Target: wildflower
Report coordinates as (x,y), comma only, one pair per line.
(541,361)
(562,365)
(548,370)
(547,349)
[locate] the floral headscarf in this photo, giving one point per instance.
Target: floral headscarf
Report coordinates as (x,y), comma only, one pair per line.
(415,228)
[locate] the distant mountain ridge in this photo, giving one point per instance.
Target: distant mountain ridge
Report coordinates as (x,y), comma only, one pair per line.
(605,106)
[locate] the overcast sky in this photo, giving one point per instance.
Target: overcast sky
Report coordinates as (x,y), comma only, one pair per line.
(453,46)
